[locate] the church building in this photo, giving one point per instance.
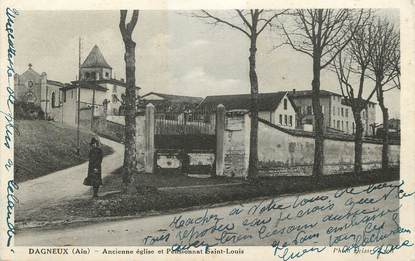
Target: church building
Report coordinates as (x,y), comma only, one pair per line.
(99,92)
(34,88)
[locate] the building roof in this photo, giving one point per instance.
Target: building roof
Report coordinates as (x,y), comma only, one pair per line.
(266,101)
(95,59)
(85,85)
(97,82)
(115,81)
(175,98)
(55,83)
(308,93)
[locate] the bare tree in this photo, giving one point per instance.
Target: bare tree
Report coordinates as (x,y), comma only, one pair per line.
(321,34)
(250,23)
(130,153)
(385,65)
(354,60)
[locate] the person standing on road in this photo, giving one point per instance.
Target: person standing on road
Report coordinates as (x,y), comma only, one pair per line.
(94,177)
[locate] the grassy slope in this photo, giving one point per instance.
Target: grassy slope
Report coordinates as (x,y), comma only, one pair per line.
(44,147)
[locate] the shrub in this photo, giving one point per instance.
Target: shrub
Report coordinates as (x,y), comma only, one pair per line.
(28,111)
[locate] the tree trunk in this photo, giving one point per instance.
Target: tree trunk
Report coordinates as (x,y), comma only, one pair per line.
(130,153)
(358,143)
(385,116)
(318,119)
(385,146)
(253,139)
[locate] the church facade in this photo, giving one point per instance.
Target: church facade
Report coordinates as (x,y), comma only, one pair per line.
(35,88)
(99,93)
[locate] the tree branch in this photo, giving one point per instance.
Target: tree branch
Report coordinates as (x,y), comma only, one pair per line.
(269,20)
(219,20)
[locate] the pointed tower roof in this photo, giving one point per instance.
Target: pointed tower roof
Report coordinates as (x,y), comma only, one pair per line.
(95,59)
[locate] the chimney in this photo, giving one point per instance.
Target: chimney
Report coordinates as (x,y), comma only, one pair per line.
(293,91)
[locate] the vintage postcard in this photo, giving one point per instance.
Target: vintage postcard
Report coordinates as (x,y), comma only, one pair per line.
(204,130)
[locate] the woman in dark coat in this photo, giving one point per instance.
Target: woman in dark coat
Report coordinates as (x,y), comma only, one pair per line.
(94,177)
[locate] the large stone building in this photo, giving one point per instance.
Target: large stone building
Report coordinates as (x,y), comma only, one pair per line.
(35,88)
(338,116)
(99,92)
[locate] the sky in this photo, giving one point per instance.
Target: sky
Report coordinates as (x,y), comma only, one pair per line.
(176,53)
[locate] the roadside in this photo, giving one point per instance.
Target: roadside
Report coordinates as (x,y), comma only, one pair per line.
(44,147)
(113,182)
(155,200)
(38,195)
(143,229)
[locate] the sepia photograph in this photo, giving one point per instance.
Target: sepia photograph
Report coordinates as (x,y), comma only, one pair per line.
(206,131)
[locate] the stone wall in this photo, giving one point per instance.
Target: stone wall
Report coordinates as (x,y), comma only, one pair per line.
(109,129)
(283,153)
(291,153)
(85,118)
(116,119)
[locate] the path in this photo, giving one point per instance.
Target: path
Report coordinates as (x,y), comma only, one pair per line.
(64,184)
(132,232)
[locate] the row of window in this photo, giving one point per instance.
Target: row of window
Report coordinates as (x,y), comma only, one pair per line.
(94,75)
(344,112)
(341,111)
(343,126)
(308,110)
(339,98)
(288,120)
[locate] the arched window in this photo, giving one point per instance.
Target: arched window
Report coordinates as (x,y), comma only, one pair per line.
(285,104)
(87,75)
(53,100)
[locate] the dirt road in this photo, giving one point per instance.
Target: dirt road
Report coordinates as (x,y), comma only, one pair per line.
(310,219)
(64,184)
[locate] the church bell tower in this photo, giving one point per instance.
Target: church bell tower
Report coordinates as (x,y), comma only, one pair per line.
(95,67)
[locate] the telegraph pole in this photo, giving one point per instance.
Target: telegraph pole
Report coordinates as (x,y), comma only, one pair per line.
(93,108)
(78,149)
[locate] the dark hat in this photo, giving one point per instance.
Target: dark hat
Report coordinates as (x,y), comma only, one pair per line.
(93,140)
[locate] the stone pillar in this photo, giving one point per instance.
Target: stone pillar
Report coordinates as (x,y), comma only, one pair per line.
(236,143)
(149,139)
(220,135)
